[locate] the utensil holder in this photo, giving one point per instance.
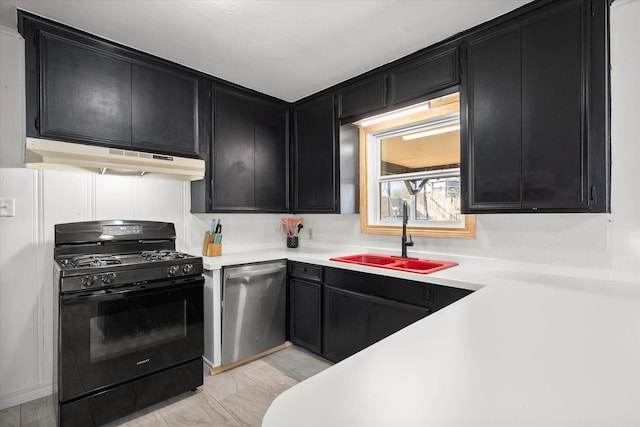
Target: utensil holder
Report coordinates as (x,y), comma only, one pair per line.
(209,248)
(292,241)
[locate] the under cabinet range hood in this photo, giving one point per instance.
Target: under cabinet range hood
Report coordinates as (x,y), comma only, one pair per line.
(47,154)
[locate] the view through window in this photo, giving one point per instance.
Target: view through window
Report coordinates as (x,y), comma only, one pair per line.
(415,158)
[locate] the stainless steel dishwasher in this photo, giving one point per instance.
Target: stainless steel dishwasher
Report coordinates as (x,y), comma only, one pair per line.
(253,309)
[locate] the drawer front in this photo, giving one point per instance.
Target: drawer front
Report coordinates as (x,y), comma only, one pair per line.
(305,271)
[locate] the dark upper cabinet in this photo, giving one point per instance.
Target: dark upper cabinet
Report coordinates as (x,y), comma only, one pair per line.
(423,75)
(534,139)
(164,110)
(493,97)
(85,93)
(249,154)
(83,89)
(271,156)
(363,98)
(315,156)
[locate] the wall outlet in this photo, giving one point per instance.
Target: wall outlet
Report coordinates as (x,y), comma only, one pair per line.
(310,233)
(7,207)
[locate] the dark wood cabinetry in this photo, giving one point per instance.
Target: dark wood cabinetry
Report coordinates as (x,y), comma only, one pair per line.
(532,143)
(249,153)
(362,98)
(423,75)
(336,313)
(305,306)
(315,156)
(85,93)
(164,110)
(354,321)
(80,88)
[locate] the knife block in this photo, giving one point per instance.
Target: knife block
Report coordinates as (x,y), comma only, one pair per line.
(209,248)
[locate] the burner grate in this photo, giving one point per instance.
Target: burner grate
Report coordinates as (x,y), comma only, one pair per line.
(94,261)
(162,255)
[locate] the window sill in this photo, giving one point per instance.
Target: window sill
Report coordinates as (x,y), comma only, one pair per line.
(466,232)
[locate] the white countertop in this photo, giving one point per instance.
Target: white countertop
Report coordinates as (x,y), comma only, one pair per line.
(526,349)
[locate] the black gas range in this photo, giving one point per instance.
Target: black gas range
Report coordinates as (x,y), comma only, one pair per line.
(130,318)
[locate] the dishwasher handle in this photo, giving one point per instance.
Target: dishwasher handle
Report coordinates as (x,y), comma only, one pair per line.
(254,273)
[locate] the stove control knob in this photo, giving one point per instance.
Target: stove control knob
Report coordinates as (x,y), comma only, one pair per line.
(172,270)
(108,278)
(88,281)
(187,268)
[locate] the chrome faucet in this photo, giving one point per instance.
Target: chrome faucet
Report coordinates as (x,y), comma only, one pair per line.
(405,242)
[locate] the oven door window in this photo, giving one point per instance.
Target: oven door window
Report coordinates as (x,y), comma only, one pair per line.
(120,333)
(109,339)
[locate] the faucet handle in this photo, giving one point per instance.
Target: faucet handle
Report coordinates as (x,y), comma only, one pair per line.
(410,241)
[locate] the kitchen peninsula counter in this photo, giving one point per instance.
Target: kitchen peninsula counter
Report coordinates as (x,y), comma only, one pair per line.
(550,347)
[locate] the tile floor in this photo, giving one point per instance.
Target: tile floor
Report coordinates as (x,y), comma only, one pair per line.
(238,397)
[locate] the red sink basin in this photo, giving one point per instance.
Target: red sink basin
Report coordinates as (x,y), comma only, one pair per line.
(412,265)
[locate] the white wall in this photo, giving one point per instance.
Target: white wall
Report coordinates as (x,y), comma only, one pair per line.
(610,243)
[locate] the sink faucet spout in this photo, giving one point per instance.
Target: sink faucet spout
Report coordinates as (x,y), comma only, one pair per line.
(405,242)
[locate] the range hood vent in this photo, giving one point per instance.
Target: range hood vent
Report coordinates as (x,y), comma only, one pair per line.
(46,154)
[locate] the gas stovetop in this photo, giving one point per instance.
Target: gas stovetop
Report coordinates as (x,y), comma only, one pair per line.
(103,271)
(140,259)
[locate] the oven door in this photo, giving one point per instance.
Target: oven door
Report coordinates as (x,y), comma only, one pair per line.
(107,338)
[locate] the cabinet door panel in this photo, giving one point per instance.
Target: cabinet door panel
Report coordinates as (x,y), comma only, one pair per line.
(270,157)
(388,317)
(305,314)
(164,110)
(233,152)
(346,323)
(553,125)
(494,103)
(86,94)
(363,98)
(315,171)
(424,76)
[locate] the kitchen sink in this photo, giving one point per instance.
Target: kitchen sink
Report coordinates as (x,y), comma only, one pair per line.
(412,265)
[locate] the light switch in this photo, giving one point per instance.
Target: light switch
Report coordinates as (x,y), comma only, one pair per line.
(7,207)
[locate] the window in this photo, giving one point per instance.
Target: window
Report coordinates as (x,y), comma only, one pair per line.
(414,156)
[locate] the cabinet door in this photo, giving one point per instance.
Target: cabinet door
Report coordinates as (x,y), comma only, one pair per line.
(346,323)
(315,156)
(363,98)
(492,94)
(164,110)
(554,150)
(85,93)
(233,152)
(425,75)
(271,157)
(305,314)
(354,321)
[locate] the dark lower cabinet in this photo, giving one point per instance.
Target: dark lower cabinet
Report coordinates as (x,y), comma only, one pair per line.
(335,312)
(535,96)
(305,314)
(354,321)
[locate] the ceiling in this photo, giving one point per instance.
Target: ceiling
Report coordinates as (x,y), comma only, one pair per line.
(285,48)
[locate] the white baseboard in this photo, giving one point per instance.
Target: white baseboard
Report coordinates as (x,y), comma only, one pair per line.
(23,396)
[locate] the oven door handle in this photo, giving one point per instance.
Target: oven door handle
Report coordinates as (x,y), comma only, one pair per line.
(111,294)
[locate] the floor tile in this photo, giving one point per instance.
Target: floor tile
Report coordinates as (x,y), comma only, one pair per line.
(224,384)
(37,409)
(198,410)
(249,405)
(48,421)
(10,417)
(297,363)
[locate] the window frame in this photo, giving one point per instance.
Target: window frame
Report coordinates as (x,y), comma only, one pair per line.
(369,184)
